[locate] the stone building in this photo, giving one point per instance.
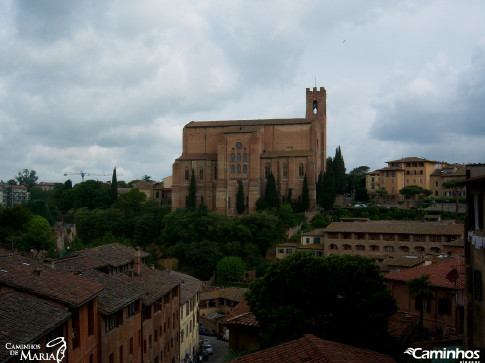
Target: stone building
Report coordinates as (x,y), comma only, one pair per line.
(221,153)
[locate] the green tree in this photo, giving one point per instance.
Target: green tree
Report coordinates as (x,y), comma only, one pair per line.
(340,297)
(420,289)
(27,178)
(114,186)
(146,178)
(192,199)
(271,194)
(240,203)
(339,171)
(361,195)
(456,186)
(290,194)
(230,268)
(305,195)
(131,202)
(356,178)
(37,235)
(381,194)
(417,195)
(319,189)
(328,190)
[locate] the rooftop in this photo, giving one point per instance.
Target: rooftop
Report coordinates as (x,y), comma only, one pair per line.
(114,254)
(29,275)
(257,122)
(229,293)
(25,319)
(116,293)
(241,315)
(313,349)
(189,286)
(408,227)
(411,159)
(437,272)
(155,283)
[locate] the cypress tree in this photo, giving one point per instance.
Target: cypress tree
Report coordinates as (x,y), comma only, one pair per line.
(305,195)
(271,194)
(191,201)
(339,171)
(114,186)
(319,189)
(329,194)
(290,193)
(240,198)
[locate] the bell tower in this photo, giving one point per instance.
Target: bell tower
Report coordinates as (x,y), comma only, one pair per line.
(316,111)
(316,103)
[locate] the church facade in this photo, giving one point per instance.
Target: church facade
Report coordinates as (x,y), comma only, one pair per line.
(222,153)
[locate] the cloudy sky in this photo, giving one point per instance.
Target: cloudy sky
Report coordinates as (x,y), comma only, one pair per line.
(90,85)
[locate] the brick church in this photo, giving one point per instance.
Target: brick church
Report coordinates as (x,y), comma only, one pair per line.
(223,152)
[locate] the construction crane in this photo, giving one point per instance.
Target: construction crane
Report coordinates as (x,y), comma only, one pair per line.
(83,173)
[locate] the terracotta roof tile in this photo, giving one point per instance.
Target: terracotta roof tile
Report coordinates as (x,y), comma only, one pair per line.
(241,315)
(229,293)
(25,319)
(410,159)
(313,349)
(437,273)
(114,254)
(155,283)
(29,275)
(401,324)
(116,293)
(189,286)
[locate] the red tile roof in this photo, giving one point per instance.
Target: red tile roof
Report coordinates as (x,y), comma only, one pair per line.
(241,315)
(313,349)
(401,324)
(189,286)
(26,274)
(229,293)
(437,273)
(114,254)
(25,319)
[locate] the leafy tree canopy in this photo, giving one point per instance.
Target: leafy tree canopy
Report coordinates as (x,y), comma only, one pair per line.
(27,178)
(341,298)
(146,178)
(230,268)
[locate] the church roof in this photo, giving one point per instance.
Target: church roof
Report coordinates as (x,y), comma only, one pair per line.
(283,153)
(257,122)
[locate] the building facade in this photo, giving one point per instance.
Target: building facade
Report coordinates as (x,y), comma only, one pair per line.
(222,153)
(382,239)
(427,174)
(475,258)
(444,312)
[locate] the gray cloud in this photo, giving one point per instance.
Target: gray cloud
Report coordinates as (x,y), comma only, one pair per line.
(90,85)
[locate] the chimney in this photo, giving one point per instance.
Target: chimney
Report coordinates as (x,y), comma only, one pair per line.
(137,262)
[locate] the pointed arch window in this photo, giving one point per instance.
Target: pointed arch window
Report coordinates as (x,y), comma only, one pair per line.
(267,171)
(239,168)
(186,174)
(238,157)
(285,171)
(233,157)
(245,169)
(301,171)
(233,169)
(201,174)
(315,107)
(245,157)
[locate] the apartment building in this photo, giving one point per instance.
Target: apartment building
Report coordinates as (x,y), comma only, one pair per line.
(427,174)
